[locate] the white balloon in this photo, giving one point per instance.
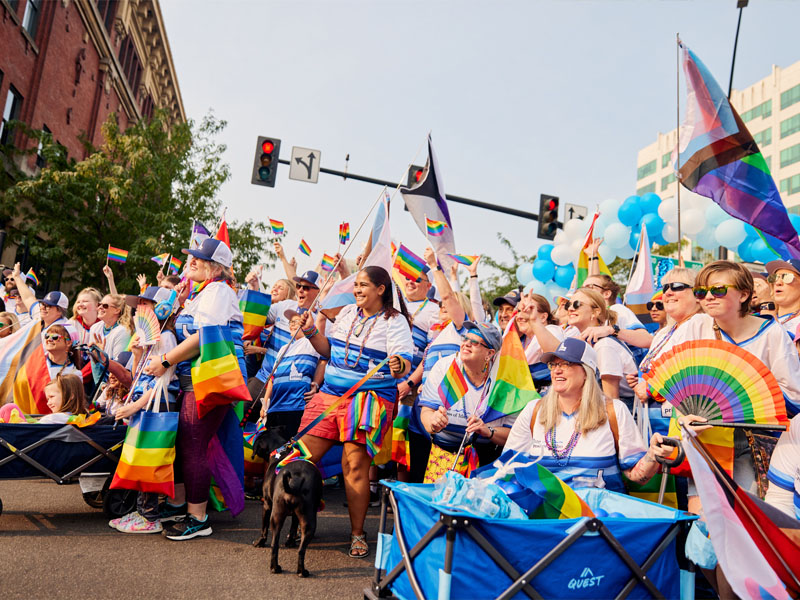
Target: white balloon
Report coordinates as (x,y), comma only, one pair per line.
(563,254)
(554,290)
(560,237)
(625,252)
(715,215)
(707,240)
(607,253)
(668,210)
(609,207)
(693,221)
(577,244)
(730,233)
(575,228)
(617,235)
(670,233)
(601,225)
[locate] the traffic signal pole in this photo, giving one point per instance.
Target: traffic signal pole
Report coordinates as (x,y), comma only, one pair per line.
(452,198)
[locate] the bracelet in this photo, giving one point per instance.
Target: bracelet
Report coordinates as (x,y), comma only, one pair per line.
(471,276)
(593,258)
(491,435)
(310,332)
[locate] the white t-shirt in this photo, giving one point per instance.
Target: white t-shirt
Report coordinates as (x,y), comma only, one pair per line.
(614,358)
(790,322)
(593,462)
(55,418)
(772,346)
(423,313)
(784,472)
(116,340)
(458,414)
(626,318)
(667,338)
(217,304)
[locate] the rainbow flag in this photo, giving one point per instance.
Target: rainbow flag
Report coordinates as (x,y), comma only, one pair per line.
(253,465)
(32,276)
(327,263)
(464,259)
(216,376)
(408,264)
(148,454)
(304,248)
(160,259)
(513,385)
(582,272)
(558,500)
(117,254)
(255,307)
(23,361)
(276,226)
(722,161)
(174,265)
(344,233)
(453,386)
(435,228)
(401,451)
(299,452)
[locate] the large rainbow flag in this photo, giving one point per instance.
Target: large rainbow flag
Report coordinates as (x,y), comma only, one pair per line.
(216,376)
(23,363)
(719,159)
(640,286)
(558,500)
(513,385)
(255,307)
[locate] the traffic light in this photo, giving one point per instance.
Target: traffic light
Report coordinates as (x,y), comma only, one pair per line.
(414,175)
(548,216)
(265,165)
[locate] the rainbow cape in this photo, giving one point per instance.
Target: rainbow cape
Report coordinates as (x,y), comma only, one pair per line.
(117,254)
(453,386)
(719,159)
(327,263)
(435,228)
(408,264)
(513,385)
(304,248)
(582,272)
(255,307)
(276,226)
(464,259)
(216,376)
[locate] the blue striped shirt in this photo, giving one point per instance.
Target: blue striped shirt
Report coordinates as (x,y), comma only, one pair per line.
(293,376)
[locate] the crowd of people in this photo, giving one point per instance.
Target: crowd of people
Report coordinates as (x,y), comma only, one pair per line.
(587,354)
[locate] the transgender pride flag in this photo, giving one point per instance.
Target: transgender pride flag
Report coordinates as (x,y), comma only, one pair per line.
(719,159)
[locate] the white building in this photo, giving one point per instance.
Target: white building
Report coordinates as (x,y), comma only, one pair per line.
(770,109)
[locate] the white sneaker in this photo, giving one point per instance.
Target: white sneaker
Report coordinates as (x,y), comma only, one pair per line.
(138,524)
(114,523)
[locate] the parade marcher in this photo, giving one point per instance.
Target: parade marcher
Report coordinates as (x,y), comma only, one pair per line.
(475,299)
(9,323)
(9,284)
(215,303)
(763,302)
(60,352)
(113,330)
(84,313)
(582,436)
(628,328)
(506,305)
(52,309)
(656,309)
(539,333)
(784,475)
(785,278)
(361,336)
(65,398)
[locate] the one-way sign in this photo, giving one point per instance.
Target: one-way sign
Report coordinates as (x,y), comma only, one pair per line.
(304,164)
(571,211)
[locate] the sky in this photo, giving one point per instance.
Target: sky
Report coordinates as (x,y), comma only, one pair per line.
(522,98)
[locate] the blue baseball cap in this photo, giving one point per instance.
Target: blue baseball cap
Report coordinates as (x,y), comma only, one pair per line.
(573,350)
(310,277)
(487,332)
(212,250)
(790,265)
(511,298)
(58,299)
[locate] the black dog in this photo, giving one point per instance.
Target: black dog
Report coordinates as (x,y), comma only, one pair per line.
(296,489)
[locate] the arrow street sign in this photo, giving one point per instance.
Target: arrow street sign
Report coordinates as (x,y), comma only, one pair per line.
(304,164)
(571,211)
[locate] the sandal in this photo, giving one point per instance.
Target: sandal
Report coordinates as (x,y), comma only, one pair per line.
(358,546)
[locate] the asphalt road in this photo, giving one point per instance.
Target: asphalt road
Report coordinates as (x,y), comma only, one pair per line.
(52,545)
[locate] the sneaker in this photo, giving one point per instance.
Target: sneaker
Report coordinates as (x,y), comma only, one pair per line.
(114,523)
(138,524)
(168,512)
(187,528)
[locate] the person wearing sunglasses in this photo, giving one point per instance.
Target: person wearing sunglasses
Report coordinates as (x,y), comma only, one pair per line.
(762,302)
(588,312)
(582,436)
(9,323)
(656,309)
(448,425)
(113,330)
(8,285)
(539,333)
(785,279)
(61,354)
(629,328)
(51,310)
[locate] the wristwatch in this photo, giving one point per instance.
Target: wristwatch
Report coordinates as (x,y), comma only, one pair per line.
(411,385)
(491,432)
(616,330)
(164,362)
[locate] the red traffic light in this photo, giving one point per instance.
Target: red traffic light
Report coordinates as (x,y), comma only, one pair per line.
(267,147)
(551,205)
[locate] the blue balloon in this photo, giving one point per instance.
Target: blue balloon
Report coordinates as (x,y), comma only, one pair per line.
(629,213)
(654,225)
(633,200)
(633,241)
(544,251)
(649,203)
(525,273)
(760,252)
(543,270)
(659,239)
(745,250)
(795,219)
(564,275)
(751,231)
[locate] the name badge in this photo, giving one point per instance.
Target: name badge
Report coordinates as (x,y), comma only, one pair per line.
(666,410)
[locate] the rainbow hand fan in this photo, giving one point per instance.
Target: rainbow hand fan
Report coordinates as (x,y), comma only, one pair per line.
(719,381)
(146,324)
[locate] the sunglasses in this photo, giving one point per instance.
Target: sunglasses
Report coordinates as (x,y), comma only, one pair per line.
(593,286)
(306,287)
(717,291)
(784,277)
(553,365)
(573,304)
(104,305)
(52,337)
(675,287)
(468,341)
(3,325)
(656,305)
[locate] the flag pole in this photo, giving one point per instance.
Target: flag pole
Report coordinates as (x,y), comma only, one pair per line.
(678,139)
(108,249)
(166,262)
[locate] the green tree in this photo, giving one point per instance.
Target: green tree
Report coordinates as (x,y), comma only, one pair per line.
(139,191)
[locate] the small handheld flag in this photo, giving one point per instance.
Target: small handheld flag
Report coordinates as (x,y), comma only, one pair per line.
(117,254)
(327,263)
(174,265)
(255,309)
(160,259)
(408,264)
(435,228)
(304,248)
(344,233)
(32,276)
(453,386)
(276,226)
(464,259)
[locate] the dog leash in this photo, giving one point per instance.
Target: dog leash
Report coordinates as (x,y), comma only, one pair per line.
(334,404)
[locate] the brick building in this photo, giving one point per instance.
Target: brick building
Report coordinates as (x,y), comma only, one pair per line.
(65,65)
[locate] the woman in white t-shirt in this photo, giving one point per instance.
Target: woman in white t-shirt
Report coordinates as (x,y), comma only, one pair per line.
(113,330)
(582,436)
(586,309)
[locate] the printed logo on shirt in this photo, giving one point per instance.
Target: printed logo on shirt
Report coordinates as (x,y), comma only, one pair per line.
(294,374)
(586,580)
(371,365)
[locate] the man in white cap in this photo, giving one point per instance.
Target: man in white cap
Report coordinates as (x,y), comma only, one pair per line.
(784,275)
(51,310)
